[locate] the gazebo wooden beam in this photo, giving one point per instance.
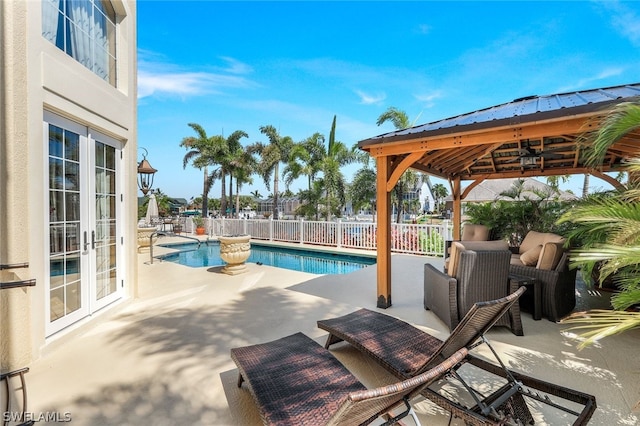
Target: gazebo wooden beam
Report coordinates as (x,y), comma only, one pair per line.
(401,167)
(383,215)
(457,207)
(607,179)
(480,137)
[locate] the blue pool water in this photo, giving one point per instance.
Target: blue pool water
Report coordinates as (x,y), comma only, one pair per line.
(297,260)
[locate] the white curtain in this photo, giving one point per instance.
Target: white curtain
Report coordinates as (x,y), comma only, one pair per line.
(102,29)
(50,20)
(80,31)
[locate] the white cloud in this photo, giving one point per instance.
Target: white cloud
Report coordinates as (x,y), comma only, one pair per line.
(235,66)
(424,29)
(588,82)
(158,77)
(428,98)
(624,20)
(369,99)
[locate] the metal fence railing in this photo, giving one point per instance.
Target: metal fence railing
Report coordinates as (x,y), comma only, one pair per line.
(405,238)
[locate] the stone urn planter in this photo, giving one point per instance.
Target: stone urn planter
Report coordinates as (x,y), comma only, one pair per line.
(144,234)
(235,250)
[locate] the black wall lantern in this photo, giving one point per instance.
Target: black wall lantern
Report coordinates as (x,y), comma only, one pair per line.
(145,174)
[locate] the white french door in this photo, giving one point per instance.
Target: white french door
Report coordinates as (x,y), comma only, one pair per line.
(85,208)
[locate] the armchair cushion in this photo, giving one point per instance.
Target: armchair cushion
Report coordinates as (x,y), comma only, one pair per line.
(531,256)
(534,238)
(475,232)
(459,246)
(550,256)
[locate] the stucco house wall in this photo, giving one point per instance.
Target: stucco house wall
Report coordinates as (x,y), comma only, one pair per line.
(38,79)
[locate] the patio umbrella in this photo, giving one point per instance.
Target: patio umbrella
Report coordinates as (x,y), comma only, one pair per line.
(152,209)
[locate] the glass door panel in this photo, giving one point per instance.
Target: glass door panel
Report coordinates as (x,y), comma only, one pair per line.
(65,256)
(84,209)
(106,220)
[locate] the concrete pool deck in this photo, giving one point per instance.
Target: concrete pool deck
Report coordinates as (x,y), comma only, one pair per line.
(163,357)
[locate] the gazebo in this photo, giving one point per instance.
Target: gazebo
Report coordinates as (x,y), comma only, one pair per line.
(527,137)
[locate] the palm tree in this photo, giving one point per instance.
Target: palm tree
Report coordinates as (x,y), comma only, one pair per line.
(305,159)
(609,228)
(310,200)
(336,156)
(439,193)
(271,155)
(363,189)
(400,120)
(242,167)
(226,156)
(256,194)
(202,152)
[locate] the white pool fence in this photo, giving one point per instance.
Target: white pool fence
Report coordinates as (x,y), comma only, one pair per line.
(409,238)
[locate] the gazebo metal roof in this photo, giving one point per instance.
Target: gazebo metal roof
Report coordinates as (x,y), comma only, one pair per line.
(527,137)
(489,143)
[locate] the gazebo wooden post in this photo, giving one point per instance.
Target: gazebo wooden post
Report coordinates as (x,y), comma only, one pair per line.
(457,208)
(383,204)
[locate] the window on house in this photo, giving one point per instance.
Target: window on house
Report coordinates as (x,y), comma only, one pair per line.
(86,31)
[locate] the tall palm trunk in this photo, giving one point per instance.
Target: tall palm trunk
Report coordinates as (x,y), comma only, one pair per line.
(276,180)
(231,195)
(237,198)
(223,196)
(585,186)
(205,194)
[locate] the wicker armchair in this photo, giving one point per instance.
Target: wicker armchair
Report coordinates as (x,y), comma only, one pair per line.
(475,276)
(558,288)
(542,256)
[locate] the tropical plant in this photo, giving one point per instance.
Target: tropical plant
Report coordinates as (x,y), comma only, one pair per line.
(310,200)
(271,155)
(512,219)
(203,152)
(336,156)
(226,157)
(256,194)
(305,159)
(362,191)
(439,193)
(242,166)
(609,228)
(164,202)
(198,221)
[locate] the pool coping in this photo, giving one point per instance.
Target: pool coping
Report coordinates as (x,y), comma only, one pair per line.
(294,246)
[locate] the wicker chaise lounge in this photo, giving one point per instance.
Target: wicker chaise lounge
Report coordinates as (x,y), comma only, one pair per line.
(405,351)
(295,381)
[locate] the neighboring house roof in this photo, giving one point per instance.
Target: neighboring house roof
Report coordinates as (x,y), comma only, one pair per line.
(490,190)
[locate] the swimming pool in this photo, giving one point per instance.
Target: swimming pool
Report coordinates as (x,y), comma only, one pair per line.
(298,260)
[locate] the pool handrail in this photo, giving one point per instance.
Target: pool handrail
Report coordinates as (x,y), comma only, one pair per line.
(169,234)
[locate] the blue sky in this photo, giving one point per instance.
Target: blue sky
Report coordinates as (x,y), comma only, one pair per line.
(294,65)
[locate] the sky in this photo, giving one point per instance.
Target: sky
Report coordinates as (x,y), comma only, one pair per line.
(294,65)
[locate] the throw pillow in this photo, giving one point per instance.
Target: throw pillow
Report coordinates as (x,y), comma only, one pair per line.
(550,256)
(530,257)
(452,268)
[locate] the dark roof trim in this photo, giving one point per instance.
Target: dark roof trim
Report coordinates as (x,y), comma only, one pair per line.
(517,112)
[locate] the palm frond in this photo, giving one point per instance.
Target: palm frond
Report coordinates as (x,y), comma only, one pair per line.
(601,323)
(622,119)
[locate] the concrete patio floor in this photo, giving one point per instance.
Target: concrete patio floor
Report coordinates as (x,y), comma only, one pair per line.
(163,357)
